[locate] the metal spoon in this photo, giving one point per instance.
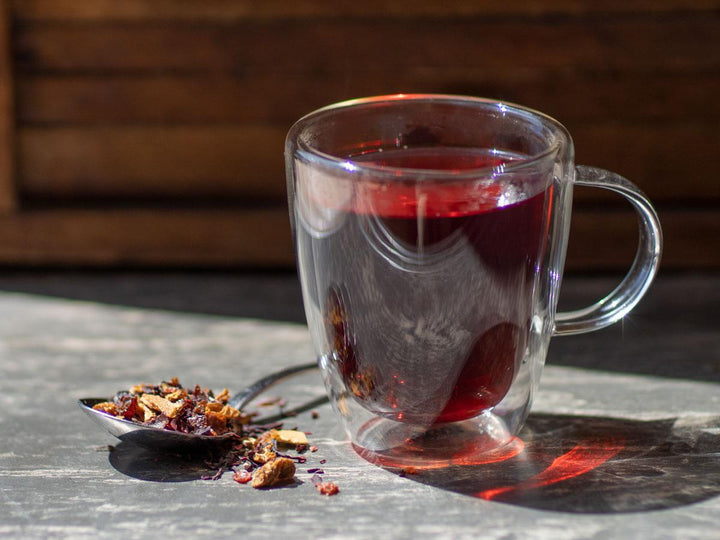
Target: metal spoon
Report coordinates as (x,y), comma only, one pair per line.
(161,439)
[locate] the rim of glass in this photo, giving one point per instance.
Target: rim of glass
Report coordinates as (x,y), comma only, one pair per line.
(312,154)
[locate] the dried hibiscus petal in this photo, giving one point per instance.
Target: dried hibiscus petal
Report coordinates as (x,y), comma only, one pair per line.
(131,409)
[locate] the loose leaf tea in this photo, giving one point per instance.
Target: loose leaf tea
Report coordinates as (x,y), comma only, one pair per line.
(257,455)
(170,406)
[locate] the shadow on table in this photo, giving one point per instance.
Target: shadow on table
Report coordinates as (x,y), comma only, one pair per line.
(151,466)
(139,462)
(586,464)
(267,295)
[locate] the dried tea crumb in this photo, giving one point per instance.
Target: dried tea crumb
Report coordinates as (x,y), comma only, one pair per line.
(242,476)
(325,488)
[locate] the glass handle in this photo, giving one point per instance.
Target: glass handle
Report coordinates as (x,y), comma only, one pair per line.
(647,259)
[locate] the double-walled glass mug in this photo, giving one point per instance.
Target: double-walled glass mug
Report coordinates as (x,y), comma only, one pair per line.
(431,233)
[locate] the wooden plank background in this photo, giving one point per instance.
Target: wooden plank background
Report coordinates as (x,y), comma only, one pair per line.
(128,121)
(8,195)
(231,10)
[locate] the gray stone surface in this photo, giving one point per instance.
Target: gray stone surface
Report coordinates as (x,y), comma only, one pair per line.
(624,440)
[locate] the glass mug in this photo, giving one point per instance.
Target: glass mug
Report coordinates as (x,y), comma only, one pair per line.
(431,233)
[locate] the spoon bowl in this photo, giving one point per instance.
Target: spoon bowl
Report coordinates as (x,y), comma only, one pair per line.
(165,440)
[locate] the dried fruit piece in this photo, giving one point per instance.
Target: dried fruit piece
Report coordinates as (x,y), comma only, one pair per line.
(264,453)
(276,472)
(107,407)
(223,396)
(286,437)
(160,404)
(222,409)
(291,437)
(148,415)
(221,417)
(176,395)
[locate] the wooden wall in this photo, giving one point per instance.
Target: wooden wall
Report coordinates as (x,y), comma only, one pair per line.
(150,132)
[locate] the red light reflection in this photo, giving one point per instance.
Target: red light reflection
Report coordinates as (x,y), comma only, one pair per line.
(584,457)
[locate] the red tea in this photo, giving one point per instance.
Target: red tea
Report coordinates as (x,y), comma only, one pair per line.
(424,289)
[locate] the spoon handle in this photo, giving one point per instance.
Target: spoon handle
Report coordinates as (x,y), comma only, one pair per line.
(242,398)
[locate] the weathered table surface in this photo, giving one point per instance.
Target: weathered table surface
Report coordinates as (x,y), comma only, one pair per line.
(624,441)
